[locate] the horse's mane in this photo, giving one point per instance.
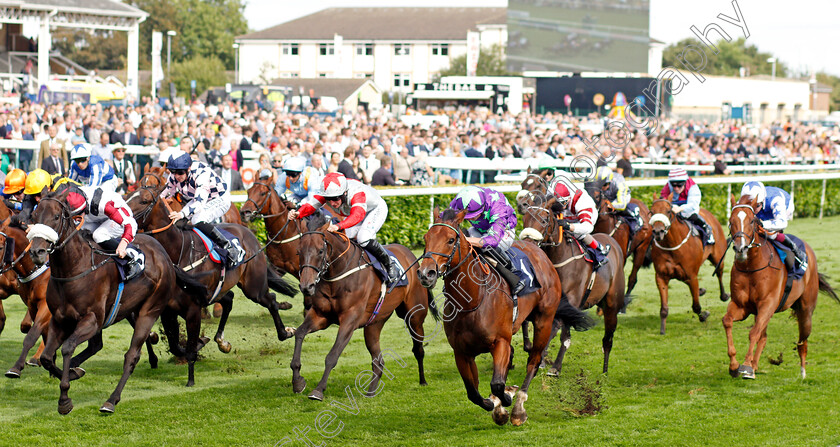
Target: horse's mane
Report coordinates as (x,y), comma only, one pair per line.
(316,221)
(449,214)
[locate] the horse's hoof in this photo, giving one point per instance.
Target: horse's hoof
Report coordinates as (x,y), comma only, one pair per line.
(180,360)
(154,338)
(802,372)
(519,415)
(500,414)
(701,291)
(13,374)
(224,346)
(424,383)
(34,361)
(733,372)
(703,316)
(77,373)
(190,383)
(107,408)
(65,407)
(285,305)
(527,346)
(299,385)
(217,310)
(202,341)
(746,372)
(552,372)
(290,332)
(724,297)
(316,395)
(153,363)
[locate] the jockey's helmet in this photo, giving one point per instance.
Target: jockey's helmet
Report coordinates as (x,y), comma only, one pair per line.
(755,190)
(77,200)
(179,162)
(294,165)
(335,185)
(15,181)
(167,153)
(80,151)
(470,198)
(60,183)
(36,181)
(677,177)
(563,193)
(604,173)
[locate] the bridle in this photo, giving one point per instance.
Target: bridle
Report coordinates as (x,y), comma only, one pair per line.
(446,270)
(741,234)
(66,216)
(258,207)
(551,227)
(326,262)
(539,178)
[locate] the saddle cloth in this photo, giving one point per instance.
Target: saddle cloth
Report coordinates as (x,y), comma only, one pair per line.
(382,272)
(122,263)
(217,254)
(799,271)
(524,270)
(697,230)
(590,255)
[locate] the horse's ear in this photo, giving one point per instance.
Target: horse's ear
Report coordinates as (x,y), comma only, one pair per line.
(5,224)
(529,170)
(551,202)
(655,197)
(145,168)
(670,197)
(732,201)
(437,213)
(460,217)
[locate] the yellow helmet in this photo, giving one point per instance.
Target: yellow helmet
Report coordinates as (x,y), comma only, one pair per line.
(64,181)
(36,181)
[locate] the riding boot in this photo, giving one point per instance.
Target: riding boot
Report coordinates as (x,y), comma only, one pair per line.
(504,266)
(801,258)
(697,219)
(376,249)
(130,264)
(604,250)
(235,252)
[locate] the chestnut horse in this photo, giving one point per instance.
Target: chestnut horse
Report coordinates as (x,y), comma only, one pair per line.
(283,238)
(186,250)
(607,291)
(757,283)
(678,255)
(83,288)
(612,224)
(338,281)
(482,317)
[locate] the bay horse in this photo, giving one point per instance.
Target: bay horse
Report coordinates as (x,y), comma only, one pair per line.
(757,283)
(542,228)
(283,238)
(481,317)
(186,250)
(678,255)
(612,224)
(83,289)
(338,281)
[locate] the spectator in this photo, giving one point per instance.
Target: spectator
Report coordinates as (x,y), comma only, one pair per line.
(623,165)
(335,162)
(421,173)
(230,176)
(346,165)
(123,170)
(720,165)
(383,176)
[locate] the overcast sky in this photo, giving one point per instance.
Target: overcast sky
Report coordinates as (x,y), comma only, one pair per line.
(804,34)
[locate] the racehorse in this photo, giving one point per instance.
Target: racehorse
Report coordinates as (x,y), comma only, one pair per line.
(337,280)
(678,255)
(482,317)
(83,299)
(610,223)
(758,282)
(607,284)
(283,237)
(186,250)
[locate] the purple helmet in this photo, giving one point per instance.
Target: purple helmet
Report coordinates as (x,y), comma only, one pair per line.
(472,199)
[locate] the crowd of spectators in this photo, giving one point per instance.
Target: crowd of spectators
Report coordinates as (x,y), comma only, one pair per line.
(380,149)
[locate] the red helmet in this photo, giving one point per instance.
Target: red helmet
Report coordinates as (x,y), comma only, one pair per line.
(334,184)
(562,193)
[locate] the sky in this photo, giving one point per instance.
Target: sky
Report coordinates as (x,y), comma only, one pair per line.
(803,34)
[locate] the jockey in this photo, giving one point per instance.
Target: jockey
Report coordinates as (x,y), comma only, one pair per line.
(90,169)
(618,193)
(13,193)
(110,220)
(37,182)
(363,211)
(493,225)
(685,200)
(204,193)
(579,205)
(298,178)
(775,210)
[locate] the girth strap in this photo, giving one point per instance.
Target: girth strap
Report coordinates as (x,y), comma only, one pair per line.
(788,286)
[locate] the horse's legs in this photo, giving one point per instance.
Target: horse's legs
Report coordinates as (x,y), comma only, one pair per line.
(94,345)
(2,317)
(501,360)
(526,342)
(719,273)
(311,323)
(662,285)
(417,336)
(153,360)
(193,323)
(610,323)
(542,335)
(42,319)
(694,287)
(55,337)
(469,374)
(803,316)
(565,342)
(345,332)
(762,341)
(169,321)
(85,329)
(227,304)
(377,364)
(733,313)
(142,327)
(762,317)
(42,322)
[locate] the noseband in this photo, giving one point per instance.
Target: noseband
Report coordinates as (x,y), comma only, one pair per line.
(742,234)
(446,267)
(258,208)
(327,263)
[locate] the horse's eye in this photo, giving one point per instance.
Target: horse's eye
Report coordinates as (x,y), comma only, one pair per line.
(321,251)
(451,241)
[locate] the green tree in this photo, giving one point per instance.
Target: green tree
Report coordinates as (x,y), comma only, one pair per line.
(103,50)
(491,62)
(731,57)
(205,71)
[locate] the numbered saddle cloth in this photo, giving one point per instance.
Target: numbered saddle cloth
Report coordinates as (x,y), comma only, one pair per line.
(799,269)
(524,270)
(383,273)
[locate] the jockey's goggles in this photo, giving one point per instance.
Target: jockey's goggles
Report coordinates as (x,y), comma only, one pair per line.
(292,173)
(678,184)
(178,171)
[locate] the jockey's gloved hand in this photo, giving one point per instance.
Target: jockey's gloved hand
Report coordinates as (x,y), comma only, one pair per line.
(564,224)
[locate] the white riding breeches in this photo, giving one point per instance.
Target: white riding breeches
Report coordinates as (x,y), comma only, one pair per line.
(504,243)
(106,229)
(369,226)
(213,209)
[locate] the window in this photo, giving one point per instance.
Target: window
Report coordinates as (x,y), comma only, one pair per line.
(326,49)
(364,49)
(402,80)
(362,75)
(322,75)
(402,49)
(440,49)
(290,49)
(289,75)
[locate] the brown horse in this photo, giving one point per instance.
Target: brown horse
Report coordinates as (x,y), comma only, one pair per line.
(482,312)
(9,285)
(607,290)
(83,288)
(342,289)
(612,224)
(283,237)
(758,281)
(678,255)
(186,250)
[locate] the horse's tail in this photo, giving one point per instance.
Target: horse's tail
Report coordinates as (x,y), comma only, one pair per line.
(573,317)
(826,287)
(276,283)
(432,307)
(190,285)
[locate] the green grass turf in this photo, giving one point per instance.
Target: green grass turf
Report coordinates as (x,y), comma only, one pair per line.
(662,390)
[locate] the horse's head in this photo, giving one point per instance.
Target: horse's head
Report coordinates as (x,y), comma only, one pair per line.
(314,253)
(526,198)
(154,177)
(259,202)
(743,226)
(143,204)
(661,218)
(51,222)
(445,246)
(595,189)
(538,180)
(539,223)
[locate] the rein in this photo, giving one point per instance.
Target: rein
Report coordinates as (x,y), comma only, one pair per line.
(481,262)
(319,271)
(671,217)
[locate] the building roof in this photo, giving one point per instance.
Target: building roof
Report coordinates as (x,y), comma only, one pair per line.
(92,7)
(383,24)
(340,89)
